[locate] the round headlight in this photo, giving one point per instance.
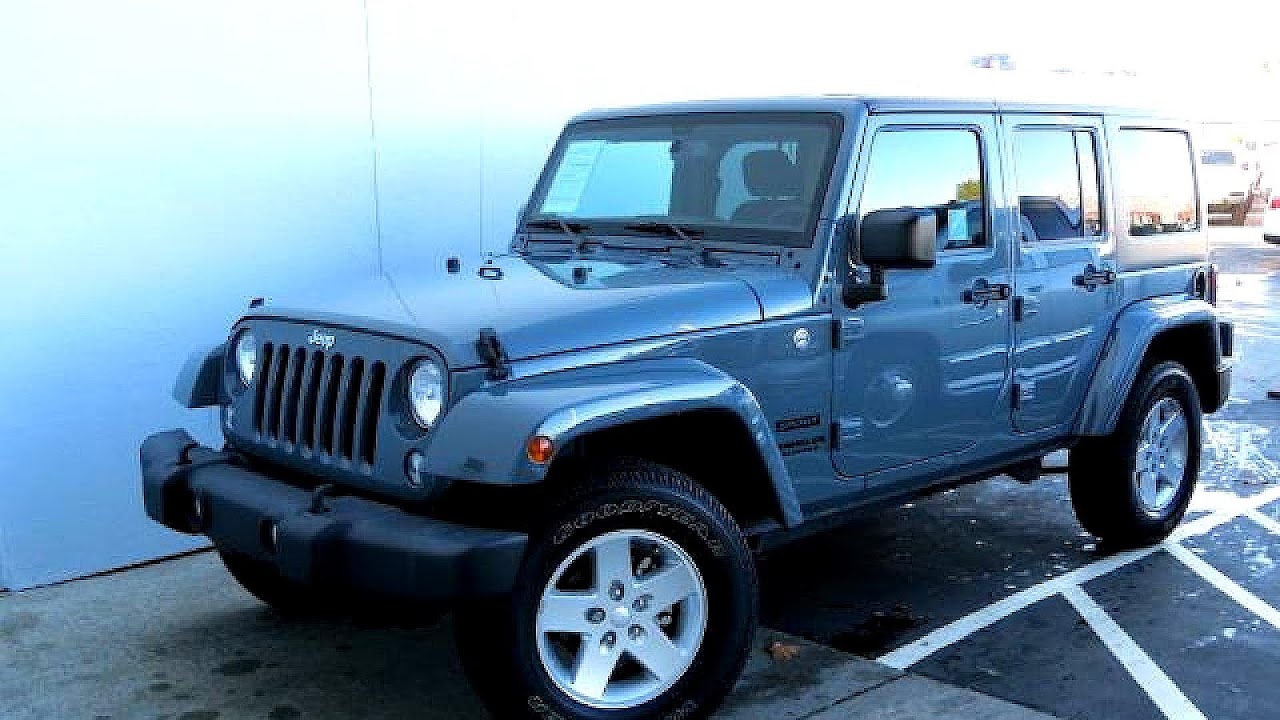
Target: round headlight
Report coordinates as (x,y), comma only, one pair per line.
(246,356)
(426,392)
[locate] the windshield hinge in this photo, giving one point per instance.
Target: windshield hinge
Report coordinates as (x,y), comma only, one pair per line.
(493,354)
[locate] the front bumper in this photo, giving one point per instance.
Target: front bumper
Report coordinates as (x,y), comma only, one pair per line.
(349,543)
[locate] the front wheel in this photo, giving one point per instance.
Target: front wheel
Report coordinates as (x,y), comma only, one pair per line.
(637,601)
(1132,487)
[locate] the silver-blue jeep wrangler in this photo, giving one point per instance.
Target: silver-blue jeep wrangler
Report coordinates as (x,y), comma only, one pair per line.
(719,325)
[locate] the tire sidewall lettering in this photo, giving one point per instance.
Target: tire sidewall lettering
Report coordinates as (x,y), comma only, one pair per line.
(635,507)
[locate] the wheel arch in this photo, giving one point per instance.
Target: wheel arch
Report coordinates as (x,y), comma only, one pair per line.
(666,410)
(1146,333)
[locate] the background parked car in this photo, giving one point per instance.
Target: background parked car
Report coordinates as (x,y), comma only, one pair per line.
(1271,221)
(1228,177)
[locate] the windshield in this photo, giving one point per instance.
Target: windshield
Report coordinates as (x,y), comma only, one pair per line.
(732,177)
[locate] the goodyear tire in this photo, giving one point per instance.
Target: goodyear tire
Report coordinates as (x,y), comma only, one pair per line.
(638,599)
(1132,487)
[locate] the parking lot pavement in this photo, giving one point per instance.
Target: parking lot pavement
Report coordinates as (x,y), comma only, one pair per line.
(995,586)
(179,640)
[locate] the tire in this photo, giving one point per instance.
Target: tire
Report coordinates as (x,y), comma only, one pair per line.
(666,523)
(1111,500)
(287,597)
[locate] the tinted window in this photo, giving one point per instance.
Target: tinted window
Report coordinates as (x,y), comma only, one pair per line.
(939,170)
(1057,180)
(1156,181)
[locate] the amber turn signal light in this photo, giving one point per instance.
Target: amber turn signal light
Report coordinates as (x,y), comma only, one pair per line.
(540,449)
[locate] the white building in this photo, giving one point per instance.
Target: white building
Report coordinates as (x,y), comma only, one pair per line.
(163,163)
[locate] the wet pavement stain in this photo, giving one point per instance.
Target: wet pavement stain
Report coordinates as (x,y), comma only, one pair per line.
(14,625)
(877,634)
(160,687)
(284,712)
(199,715)
(239,666)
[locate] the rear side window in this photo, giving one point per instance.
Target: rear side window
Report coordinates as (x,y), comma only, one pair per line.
(938,170)
(1156,181)
(1058,190)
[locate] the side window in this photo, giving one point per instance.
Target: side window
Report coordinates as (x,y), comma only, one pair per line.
(938,170)
(1156,181)
(1057,180)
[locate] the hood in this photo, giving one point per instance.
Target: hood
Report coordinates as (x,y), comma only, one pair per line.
(538,307)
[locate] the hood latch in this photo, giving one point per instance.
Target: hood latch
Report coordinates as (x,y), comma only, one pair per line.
(493,354)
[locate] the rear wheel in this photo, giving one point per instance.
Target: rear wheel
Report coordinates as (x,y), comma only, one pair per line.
(1132,487)
(638,600)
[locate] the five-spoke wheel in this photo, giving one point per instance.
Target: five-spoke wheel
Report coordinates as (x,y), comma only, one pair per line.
(637,599)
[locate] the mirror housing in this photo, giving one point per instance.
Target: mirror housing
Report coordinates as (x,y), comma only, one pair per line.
(901,239)
(898,239)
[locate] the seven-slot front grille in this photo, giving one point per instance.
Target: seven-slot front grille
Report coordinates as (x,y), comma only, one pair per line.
(327,405)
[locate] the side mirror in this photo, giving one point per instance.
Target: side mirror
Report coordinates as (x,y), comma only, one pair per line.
(900,239)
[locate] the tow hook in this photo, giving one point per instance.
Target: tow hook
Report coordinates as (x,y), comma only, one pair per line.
(318,506)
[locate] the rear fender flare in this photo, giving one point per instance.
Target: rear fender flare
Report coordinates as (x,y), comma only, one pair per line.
(1125,351)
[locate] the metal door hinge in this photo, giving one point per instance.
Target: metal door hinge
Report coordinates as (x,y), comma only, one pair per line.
(848,329)
(1023,393)
(845,431)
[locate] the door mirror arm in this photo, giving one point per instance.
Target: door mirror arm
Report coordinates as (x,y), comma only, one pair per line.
(902,238)
(873,289)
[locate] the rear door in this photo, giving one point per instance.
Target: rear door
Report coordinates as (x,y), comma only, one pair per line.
(1064,262)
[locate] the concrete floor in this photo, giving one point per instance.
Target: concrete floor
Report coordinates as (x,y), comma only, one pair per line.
(179,640)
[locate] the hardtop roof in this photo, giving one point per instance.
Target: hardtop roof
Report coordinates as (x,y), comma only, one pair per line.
(848,104)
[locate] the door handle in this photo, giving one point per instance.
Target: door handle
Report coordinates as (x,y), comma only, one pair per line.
(984,292)
(1092,277)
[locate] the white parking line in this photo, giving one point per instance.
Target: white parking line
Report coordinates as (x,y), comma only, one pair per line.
(1229,587)
(1266,522)
(912,653)
(1162,690)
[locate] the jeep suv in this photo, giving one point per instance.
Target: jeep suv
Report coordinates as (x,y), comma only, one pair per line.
(719,325)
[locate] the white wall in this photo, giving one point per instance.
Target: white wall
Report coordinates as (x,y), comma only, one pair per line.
(160,164)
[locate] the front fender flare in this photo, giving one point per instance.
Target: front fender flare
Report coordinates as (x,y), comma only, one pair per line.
(483,437)
(199,382)
(1126,347)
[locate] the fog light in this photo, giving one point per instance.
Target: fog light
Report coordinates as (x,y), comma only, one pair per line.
(415,468)
(540,449)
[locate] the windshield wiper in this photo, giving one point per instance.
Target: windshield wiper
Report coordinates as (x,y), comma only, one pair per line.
(574,230)
(691,238)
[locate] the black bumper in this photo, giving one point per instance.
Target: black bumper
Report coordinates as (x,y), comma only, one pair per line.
(354,543)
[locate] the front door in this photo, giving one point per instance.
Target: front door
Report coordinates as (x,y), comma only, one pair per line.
(923,374)
(1064,286)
